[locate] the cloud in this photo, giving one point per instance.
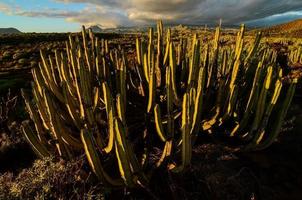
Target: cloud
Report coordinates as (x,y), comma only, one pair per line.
(4,8)
(276,19)
(113,13)
(90,15)
(194,11)
(51,13)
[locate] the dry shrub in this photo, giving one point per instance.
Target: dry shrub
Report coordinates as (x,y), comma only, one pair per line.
(49,179)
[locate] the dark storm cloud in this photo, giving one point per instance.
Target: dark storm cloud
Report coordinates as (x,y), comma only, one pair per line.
(111,13)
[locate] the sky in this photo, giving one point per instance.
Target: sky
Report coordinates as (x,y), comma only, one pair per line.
(69,15)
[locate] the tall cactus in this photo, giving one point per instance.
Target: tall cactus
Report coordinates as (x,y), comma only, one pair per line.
(84,101)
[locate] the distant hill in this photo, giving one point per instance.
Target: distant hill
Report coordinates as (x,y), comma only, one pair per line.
(96,29)
(290,29)
(9,31)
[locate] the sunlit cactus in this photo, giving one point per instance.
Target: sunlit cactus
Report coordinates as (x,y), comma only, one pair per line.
(86,100)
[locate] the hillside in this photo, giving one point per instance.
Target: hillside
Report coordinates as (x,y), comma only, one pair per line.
(290,29)
(9,31)
(96,29)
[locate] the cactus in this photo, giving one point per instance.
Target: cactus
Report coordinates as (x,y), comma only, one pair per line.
(32,138)
(94,160)
(84,100)
(277,120)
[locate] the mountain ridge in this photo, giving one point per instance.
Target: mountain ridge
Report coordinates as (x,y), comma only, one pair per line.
(9,30)
(292,29)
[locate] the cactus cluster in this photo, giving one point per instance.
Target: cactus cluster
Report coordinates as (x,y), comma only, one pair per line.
(87,98)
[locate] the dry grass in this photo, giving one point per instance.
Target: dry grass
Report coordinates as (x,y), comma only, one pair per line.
(49,179)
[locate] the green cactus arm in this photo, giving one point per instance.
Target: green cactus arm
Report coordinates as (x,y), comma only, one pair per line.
(86,94)
(45,66)
(138,174)
(253,49)
(110,116)
(262,99)
(234,73)
(186,147)
(50,84)
(185,127)
(150,52)
(158,123)
(34,115)
(94,160)
(54,130)
(216,39)
(193,58)
(67,74)
(279,117)
(256,84)
(160,28)
(98,61)
(167,49)
(166,153)
(213,66)
(152,88)
(224,66)
(231,102)
(52,70)
(79,97)
(41,107)
(92,49)
(192,99)
(71,107)
(198,102)
(239,41)
(86,50)
(96,98)
(123,79)
(120,109)
(121,154)
(107,97)
(206,65)
(38,79)
(106,71)
(179,52)
(169,91)
(170,98)
(106,47)
(146,68)
(238,53)
(32,138)
(252,102)
(159,37)
(139,51)
(66,134)
(58,63)
(73,59)
(45,70)
(261,130)
(159,56)
(172,64)
(85,84)
(38,87)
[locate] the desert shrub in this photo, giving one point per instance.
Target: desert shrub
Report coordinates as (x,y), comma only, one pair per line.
(49,179)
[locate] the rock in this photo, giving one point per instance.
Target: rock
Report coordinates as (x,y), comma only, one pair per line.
(18,55)
(22,61)
(7,55)
(33,63)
